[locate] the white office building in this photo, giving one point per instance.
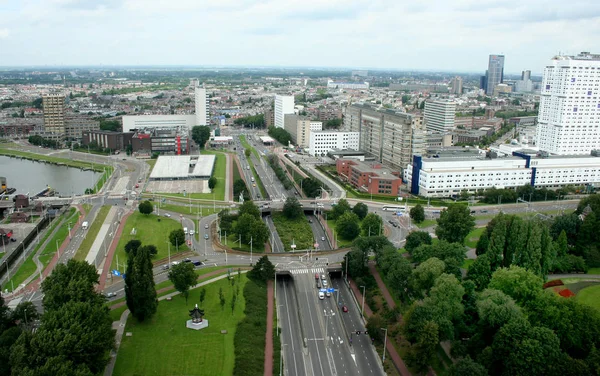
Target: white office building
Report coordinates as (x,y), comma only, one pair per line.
(445,177)
(321,142)
(153,121)
(439,116)
(347,85)
(569,116)
(284,105)
(202,106)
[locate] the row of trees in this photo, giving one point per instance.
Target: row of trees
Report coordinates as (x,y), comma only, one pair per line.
(350,222)
(253,121)
(40,141)
(280,135)
(75,334)
(279,172)
(526,192)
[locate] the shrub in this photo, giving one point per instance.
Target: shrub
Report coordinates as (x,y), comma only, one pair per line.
(556,282)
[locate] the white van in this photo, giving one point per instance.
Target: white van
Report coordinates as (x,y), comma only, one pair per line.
(84,225)
(185,231)
(321,295)
(252,179)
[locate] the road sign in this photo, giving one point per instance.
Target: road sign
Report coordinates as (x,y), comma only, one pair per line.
(323,290)
(116,272)
(399,214)
(331,289)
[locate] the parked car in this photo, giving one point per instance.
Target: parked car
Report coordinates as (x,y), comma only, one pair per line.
(191,232)
(111,294)
(197,263)
(483,211)
(167,215)
(187,259)
(165,267)
(206,225)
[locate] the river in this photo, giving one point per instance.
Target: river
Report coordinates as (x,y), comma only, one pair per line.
(32,177)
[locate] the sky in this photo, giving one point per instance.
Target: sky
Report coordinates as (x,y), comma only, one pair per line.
(434,35)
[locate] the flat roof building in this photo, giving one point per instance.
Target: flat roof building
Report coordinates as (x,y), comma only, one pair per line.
(183,167)
(131,122)
(369,177)
(284,105)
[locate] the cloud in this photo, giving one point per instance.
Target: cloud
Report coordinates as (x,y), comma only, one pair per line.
(4,33)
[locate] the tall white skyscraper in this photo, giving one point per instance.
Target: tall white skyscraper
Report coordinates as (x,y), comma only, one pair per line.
(569,116)
(495,73)
(284,104)
(439,116)
(202,111)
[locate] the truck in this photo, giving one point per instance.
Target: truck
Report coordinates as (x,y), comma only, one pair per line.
(84,225)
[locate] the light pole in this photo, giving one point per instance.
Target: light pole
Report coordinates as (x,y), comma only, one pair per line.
(169,248)
(69,227)
(384,343)
(362,310)
(251,250)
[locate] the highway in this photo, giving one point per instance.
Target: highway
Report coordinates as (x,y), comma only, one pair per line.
(319,233)
(248,176)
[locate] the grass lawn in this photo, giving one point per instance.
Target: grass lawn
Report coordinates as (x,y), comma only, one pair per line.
(115,314)
(62,234)
(590,296)
(593,271)
(164,346)
(246,145)
(259,183)
(426,223)
(341,243)
(149,231)
(49,158)
(236,170)
(298,231)
(92,232)
(204,210)
(151,163)
(473,237)
(233,243)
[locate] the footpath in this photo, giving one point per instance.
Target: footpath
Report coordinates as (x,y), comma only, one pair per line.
(269,334)
(112,250)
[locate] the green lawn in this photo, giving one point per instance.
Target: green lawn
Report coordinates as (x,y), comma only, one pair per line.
(151,163)
(233,243)
(236,170)
(590,296)
(164,346)
(92,232)
(246,145)
(593,271)
(426,223)
(204,210)
(49,158)
(149,231)
(62,234)
(341,243)
(473,237)
(259,183)
(297,231)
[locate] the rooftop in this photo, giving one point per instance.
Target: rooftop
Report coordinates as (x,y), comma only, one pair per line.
(183,167)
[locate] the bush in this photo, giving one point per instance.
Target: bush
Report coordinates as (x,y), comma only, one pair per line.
(569,264)
(556,282)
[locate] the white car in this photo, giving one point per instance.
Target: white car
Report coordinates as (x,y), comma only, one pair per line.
(191,232)
(206,225)
(321,295)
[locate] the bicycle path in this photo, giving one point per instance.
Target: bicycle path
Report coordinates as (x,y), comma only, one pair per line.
(269,334)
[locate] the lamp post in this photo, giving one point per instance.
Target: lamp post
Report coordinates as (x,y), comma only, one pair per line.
(362,310)
(384,343)
(169,248)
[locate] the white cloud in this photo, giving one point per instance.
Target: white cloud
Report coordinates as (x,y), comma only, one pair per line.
(4,33)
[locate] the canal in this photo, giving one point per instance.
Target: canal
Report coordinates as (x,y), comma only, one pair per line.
(32,177)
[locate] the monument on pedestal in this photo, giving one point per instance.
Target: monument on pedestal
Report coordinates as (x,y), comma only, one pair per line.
(197,322)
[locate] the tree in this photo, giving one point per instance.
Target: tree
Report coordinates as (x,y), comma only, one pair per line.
(415,239)
(183,277)
(421,353)
(482,244)
(260,232)
(495,309)
(426,273)
(146,207)
(247,152)
(357,263)
(248,207)
(263,270)
(480,272)
(398,277)
(202,296)
(497,245)
(280,135)
(417,213)
(454,224)
(347,226)
(361,210)
(200,134)
(374,324)
(140,293)
(516,282)
(292,209)
(221,298)
(372,225)
(212,183)
(239,186)
(453,254)
(562,245)
(71,282)
(466,367)
(333,123)
(25,313)
(132,246)
(177,237)
(338,210)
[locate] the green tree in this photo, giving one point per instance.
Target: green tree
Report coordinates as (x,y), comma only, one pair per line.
(452,254)
(74,281)
(480,272)
(426,273)
(372,224)
(562,245)
(421,353)
(260,232)
(333,123)
(548,251)
(247,152)
(239,186)
(292,209)
(146,207)
(495,309)
(347,226)
(249,207)
(183,277)
(361,210)
(415,239)
(140,293)
(202,296)
(417,213)
(466,367)
(357,263)
(338,210)
(212,183)
(200,134)
(25,313)
(482,244)
(374,324)
(132,246)
(530,256)
(517,282)
(587,237)
(454,224)
(399,276)
(497,244)
(263,270)
(177,237)
(243,226)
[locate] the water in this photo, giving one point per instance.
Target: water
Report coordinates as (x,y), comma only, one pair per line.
(30,176)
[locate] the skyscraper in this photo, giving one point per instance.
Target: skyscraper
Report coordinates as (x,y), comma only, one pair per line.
(495,73)
(202,106)
(569,116)
(284,105)
(54,113)
(457,85)
(439,116)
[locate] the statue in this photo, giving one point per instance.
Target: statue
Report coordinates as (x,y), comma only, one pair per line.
(196,314)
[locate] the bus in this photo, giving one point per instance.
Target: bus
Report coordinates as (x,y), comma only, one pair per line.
(394,208)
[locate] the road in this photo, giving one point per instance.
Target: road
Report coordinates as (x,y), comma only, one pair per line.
(292,339)
(276,243)
(319,233)
(248,176)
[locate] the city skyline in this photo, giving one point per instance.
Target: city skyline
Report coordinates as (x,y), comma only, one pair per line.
(295,33)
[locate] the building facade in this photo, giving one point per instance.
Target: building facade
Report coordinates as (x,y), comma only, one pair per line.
(369,177)
(132,122)
(347,85)
(495,73)
(74,127)
(445,177)
(269,117)
(202,106)
(300,129)
(54,109)
(322,142)
(569,112)
(457,85)
(439,116)
(107,139)
(163,140)
(284,105)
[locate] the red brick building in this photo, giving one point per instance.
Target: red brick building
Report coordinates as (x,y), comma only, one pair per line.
(369,177)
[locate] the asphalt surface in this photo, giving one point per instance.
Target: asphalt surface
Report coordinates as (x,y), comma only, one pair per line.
(319,234)
(276,243)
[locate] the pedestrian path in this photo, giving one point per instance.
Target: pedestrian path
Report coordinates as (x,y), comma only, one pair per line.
(308,271)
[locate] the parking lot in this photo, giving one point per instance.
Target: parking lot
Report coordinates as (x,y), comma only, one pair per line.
(178,186)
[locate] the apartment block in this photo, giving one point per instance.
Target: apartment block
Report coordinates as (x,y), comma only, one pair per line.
(300,129)
(439,116)
(284,105)
(202,106)
(53,106)
(369,177)
(322,142)
(74,127)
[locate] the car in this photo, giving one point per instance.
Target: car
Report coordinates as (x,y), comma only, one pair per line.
(137,185)
(324,283)
(321,295)
(391,222)
(13,240)
(165,267)
(344,309)
(473,211)
(316,275)
(254,184)
(483,211)
(205,236)
(322,238)
(323,276)
(191,232)
(395,224)
(110,294)
(175,263)
(206,225)
(167,215)
(197,263)
(310,221)
(327,294)
(187,259)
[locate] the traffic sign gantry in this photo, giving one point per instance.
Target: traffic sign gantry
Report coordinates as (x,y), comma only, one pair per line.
(116,272)
(331,289)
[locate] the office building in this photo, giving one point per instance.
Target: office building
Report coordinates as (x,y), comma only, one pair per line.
(448,176)
(369,177)
(495,73)
(107,140)
(569,112)
(131,122)
(457,85)
(347,85)
(163,140)
(74,127)
(53,106)
(322,142)
(524,85)
(300,128)
(439,116)
(387,135)
(284,105)
(202,106)
(269,117)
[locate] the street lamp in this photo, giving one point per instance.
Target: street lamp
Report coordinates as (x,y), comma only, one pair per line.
(384,343)
(362,310)
(169,250)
